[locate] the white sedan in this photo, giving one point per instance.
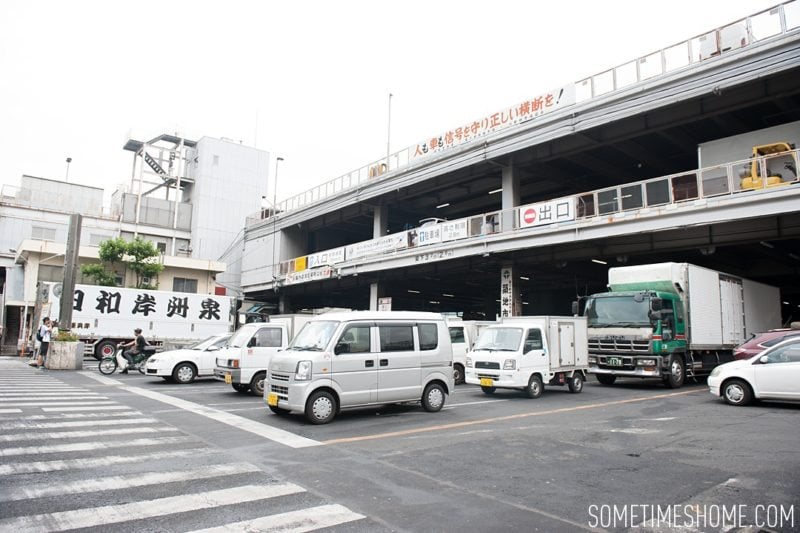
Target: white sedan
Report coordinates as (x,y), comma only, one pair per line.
(773,374)
(183,366)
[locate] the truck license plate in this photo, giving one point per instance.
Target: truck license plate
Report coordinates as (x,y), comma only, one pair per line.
(228,379)
(272,399)
(614,361)
(487,382)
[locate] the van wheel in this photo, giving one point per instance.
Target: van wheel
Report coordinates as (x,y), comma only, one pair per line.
(184,373)
(320,407)
(458,374)
(575,383)
(278,410)
(606,379)
(676,374)
(433,397)
(488,390)
(535,387)
(257,384)
(240,388)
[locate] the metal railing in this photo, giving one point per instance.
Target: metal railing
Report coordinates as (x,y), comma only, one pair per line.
(728,179)
(778,20)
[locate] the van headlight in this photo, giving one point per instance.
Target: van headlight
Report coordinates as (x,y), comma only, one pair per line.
(303,372)
(510,364)
(469,362)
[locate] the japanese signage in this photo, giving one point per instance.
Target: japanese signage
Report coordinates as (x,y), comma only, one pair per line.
(543,213)
(385,304)
(529,109)
(429,235)
(506,292)
(308,275)
(328,257)
(377,246)
(454,230)
(434,256)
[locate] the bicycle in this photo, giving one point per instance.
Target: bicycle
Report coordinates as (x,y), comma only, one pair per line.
(109,365)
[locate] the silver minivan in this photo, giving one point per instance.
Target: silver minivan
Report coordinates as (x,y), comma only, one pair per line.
(362,358)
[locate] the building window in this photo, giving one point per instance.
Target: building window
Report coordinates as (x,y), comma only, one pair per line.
(184,285)
(43,234)
(162,247)
(95,239)
(51,273)
(215,161)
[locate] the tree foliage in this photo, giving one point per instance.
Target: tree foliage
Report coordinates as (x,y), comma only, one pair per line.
(139,255)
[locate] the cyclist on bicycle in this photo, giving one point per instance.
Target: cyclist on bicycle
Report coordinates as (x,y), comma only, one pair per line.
(136,347)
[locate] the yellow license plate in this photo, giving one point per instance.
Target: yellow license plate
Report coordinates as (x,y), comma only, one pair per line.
(228,379)
(272,399)
(487,382)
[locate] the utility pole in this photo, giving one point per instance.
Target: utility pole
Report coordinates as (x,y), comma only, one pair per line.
(70,272)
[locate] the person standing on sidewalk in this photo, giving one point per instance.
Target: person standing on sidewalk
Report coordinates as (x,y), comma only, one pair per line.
(43,336)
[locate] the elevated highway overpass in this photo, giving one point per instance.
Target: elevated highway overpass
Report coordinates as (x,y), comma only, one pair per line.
(648,166)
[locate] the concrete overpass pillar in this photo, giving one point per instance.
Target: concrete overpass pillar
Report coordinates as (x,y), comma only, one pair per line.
(284,305)
(374,294)
(510,183)
(380,221)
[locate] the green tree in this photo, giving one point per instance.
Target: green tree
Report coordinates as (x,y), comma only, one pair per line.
(138,255)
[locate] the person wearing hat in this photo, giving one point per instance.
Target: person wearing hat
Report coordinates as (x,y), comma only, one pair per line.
(136,347)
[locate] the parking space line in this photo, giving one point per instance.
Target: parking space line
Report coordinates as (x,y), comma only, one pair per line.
(445,427)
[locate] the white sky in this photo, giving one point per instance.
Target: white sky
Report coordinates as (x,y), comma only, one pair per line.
(306,80)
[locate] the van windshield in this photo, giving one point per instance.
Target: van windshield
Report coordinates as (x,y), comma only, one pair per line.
(315,336)
(499,339)
(241,337)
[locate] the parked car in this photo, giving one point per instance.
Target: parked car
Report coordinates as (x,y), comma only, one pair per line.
(183,366)
(761,341)
(773,374)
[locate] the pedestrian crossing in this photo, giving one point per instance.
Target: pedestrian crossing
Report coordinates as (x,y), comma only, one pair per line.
(73,458)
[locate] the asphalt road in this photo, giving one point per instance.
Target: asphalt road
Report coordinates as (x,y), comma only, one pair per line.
(130,453)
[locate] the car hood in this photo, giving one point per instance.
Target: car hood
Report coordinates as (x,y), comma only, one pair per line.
(735,365)
(176,354)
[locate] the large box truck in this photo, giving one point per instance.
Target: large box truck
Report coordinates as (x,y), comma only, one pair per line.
(673,320)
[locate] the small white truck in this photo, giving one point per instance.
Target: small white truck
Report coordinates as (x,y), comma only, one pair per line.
(244,361)
(463,334)
(528,353)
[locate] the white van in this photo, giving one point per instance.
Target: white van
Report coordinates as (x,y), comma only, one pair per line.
(463,334)
(528,352)
(243,362)
(361,358)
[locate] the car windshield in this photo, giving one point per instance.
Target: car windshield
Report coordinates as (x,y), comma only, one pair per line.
(617,311)
(499,339)
(241,337)
(209,341)
(315,336)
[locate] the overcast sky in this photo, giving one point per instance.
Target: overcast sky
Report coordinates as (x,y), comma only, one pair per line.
(305,80)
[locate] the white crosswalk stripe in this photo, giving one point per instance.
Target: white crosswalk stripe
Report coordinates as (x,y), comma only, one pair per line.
(86,443)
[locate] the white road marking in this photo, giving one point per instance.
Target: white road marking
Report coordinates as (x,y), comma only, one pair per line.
(55,402)
(635,431)
(16,437)
(9,411)
(451,405)
(93,408)
(128,481)
(115,514)
(94,462)
(48,392)
(102,379)
(88,446)
(263,430)
(132,412)
(51,398)
(75,423)
(292,522)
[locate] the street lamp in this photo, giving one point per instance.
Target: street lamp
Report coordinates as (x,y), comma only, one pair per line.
(69,160)
(388,132)
(275,224)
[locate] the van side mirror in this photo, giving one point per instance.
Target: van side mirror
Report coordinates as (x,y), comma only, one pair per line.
(212,348)
(575,308)
(764,359)
(342,347)
(656,304)
(251,342)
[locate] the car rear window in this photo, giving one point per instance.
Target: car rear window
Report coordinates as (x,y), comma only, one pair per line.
(776,340)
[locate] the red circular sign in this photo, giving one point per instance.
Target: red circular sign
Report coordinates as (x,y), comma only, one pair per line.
(529,215)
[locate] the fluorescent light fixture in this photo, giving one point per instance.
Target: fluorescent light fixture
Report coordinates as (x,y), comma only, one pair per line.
(786,303)
(498,301)
(449,295)
(599,262)
(432,302)
(766,244)
(496,191)
(793,256)
(524,303)
(442,205)
(413,291)
(526,278)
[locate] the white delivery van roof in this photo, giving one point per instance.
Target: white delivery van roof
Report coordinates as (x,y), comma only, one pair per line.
(378,315)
